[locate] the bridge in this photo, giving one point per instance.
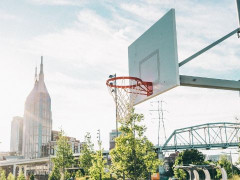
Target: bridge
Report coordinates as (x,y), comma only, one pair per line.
(204,136)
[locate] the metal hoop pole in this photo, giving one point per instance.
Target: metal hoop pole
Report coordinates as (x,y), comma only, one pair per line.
(115,91)
(114,77)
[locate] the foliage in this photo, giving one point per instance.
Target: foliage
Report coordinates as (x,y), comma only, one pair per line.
(189,156)
(10,177)
(170,171)
(86,157)
(3,175)
(97,170)
(32,177)
(21,176)
(79,174)
(64,156)
(55,174)
(226,164)
(133,154)
(236,170)
(180,174)
(67,175)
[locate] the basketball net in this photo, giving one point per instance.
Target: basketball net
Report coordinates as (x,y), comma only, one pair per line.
(125,91)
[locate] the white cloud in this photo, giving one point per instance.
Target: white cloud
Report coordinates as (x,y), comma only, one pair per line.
(9,17)
(143,11)
(198,25)
(94,32)
(80,57)
(93,40)
(59,2)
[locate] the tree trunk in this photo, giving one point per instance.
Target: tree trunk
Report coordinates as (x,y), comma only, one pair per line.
(62,174)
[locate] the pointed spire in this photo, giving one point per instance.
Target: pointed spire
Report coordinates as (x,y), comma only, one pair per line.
(41,85)
(41,75)
(35,73)
(41,66)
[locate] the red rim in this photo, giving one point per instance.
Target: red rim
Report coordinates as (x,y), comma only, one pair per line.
(139,82)
(124,77)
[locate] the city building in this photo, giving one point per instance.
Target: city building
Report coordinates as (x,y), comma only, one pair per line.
(112,136)
(73,142)
(16,135)
(37,122)
(33,142)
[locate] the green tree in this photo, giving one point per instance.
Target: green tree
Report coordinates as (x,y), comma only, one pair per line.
(226,164)
(133,154)
(97,170)
(170,171)
(10,177)
(55,174)
(79,174)
(21,176)
(32,177)
(67,175)
(86,157)
(3,175)
(189,156)
(64,155)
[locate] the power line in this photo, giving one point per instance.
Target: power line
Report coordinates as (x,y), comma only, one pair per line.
(160,118)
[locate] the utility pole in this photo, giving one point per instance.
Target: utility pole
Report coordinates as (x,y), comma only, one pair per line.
(160,118)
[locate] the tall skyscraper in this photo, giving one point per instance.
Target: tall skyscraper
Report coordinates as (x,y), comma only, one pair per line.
(37,123)
(16,135)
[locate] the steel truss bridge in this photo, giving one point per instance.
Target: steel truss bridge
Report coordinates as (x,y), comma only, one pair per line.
(204,136)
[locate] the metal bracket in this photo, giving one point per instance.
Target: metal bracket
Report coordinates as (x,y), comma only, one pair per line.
(209,47)
(212,83)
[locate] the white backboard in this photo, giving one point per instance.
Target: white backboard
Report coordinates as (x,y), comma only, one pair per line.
(153,56)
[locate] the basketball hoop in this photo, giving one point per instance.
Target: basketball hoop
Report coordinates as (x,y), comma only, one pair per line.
(124,91)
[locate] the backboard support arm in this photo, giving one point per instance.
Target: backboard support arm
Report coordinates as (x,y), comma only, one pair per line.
(238,11)
(213,44)
(212,83)
(203,82)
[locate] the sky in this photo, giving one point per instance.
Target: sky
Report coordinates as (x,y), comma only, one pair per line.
(84,41)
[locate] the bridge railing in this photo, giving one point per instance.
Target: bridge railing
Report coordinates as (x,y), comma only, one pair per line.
(204,136)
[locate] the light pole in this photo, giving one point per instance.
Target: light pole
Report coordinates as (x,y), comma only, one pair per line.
(100,150)
(99,138)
